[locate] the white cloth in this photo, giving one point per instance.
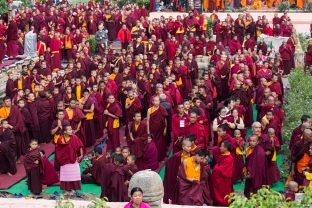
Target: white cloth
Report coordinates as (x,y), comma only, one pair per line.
(276,42)
(70,172)
(30,44)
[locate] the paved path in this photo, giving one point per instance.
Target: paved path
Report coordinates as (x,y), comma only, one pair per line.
(301,21)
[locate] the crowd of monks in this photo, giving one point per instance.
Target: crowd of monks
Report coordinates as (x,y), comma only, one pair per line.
(148,99)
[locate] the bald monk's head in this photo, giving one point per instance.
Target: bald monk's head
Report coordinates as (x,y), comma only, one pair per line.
(186,146)
(253,140)
(293,186)
(307,135)
(156,101)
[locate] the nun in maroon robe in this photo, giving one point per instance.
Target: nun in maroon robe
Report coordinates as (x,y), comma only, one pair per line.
(33,167)
(112,115)
(12,37)
(44,110)
(7,151)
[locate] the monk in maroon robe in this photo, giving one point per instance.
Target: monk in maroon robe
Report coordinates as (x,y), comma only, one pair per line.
(297,132)
(190,180)
(286,55)
(12,37)
(87,104)
(10,89)
(7,149)
(69,151)
(300,156)
(118,188)
(44,112)
(222,174)
(178,125)
(112,115)
(15,119)
(157,126)
(55,47)
(33,167)
(198,130)
(171,172)
(75,116)
(255,166)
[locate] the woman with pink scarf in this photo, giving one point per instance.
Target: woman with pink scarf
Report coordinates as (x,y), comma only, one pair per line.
(136,199)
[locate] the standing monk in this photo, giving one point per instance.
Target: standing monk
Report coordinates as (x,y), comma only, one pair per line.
(45,117)
(157,126)
(14,117)
(190,177)
(69,151)
(222,174)
(12,47)
(87,104)
(55,48)
(255,171)
(178,125)
(112,113)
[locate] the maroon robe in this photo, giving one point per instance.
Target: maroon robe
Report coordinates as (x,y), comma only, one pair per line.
(170,179)
(87,126)
(191,193)
(49,176)
(200,133)
(12,37)
(297,153)
(56,58)
(136,106)
(256,166)
(44,112)
(113,133)
(157,126)
(221,177)
(33,124)
(178,129)
(119,191)
(15,119)
(10,88)
(140,142)
(7,151)
(33,171)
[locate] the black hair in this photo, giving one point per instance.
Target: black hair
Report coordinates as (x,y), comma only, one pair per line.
(118,158)
(191,137)
(136,189)
(201,153)
(98,150)
(223,127)
(227,145)
(304,118)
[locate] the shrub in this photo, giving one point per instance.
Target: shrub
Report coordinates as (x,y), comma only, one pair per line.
(284,6)
(267,198)
(297,102)
(304,39)
(92,44)
(99,203)
(309,7)
(3,6)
